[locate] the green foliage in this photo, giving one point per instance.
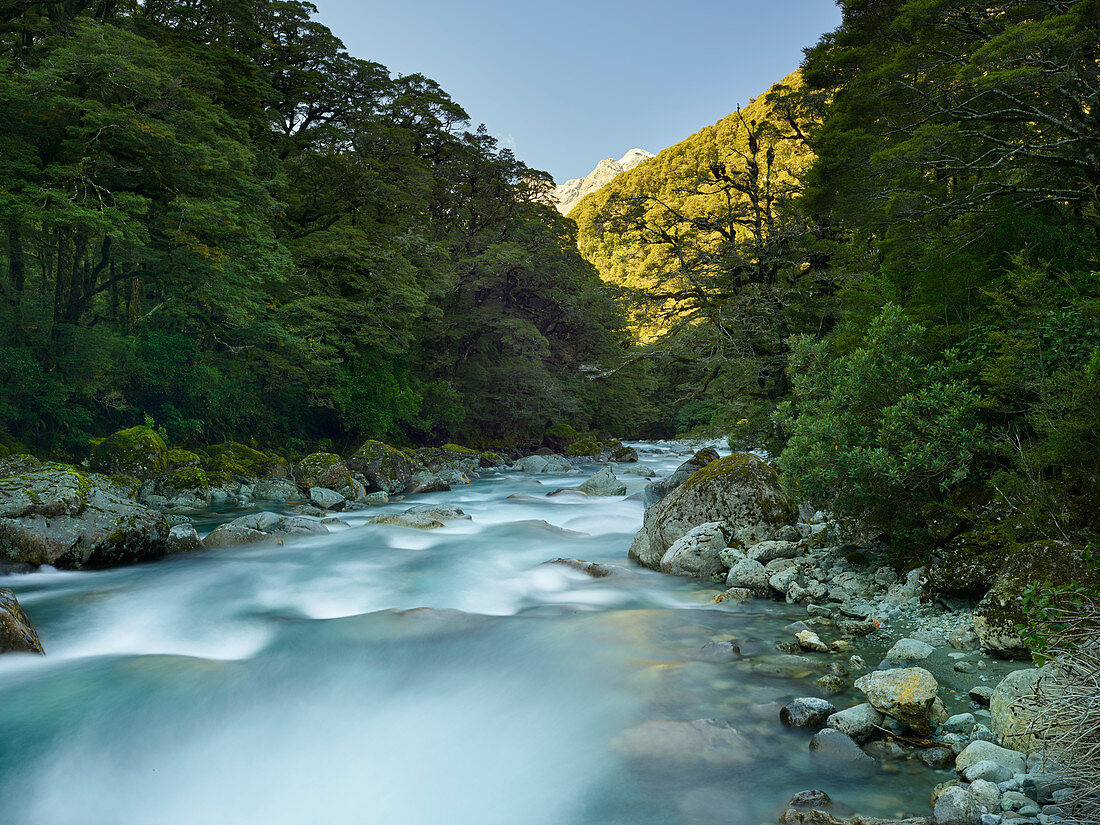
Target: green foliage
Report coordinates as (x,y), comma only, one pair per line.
(1051,608)
(882,433)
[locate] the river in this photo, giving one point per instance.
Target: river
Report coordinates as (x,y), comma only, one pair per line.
(301,684)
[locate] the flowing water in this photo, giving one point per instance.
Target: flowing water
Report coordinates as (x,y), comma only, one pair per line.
(307,683)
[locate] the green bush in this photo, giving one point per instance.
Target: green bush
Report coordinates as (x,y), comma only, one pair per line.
(881,433)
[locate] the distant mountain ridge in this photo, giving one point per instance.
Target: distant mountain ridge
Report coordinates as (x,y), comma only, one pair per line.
(568,194)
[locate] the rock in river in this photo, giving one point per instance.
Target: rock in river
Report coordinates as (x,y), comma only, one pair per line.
(740,490)
(603,483)
(906,694)
(17,634)
(57,514)
(706,742)
(385,467)
(698,553)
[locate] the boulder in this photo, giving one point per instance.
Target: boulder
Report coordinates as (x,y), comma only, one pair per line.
(980,751)
(906,694)
(1000,612)
(1017,708)
(860,722)
(325,498)
(657,490)
(183,538)
(137,452)
(704,742)
(385,468)
(697,554)
(740,490)
(56,514)
(836,753)
(908,651)
(543,464)
(321,470)
(768,551)
(623,453)
(245,463)
(603,483)
(807,712)
(423,481)
(178,459)
(17,634)
(591,568)
(750,575)
(957,806)
(229,535)
(275,490)
(439,512)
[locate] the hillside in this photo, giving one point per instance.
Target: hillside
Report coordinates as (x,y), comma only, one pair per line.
(622,258)
(570,193)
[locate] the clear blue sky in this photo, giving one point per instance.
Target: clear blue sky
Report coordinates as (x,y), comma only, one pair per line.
(566,83)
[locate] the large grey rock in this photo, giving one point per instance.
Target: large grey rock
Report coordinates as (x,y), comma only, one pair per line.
(807,712)
(906,694)
(1017,708)
(279,489)
(440,512)
(860,722)
(603,483)
(657,490)
(384,467)
(768,551)
(705,742)
(980,751)
(957,806)
(423,481)
(183,538)
(230,535)
(697,553)
(740,490)
(751,575)
(325,498)
(59,515)
(907,651)
(17,634)
(989,771)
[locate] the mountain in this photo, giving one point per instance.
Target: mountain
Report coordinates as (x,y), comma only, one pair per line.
(569,193)
(624,258)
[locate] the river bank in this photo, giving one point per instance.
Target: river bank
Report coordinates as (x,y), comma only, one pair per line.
(450,674)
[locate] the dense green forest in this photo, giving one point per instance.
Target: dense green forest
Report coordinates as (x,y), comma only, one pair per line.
(911,321)
(214,217)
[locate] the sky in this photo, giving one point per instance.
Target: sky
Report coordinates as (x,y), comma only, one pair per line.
(566,83)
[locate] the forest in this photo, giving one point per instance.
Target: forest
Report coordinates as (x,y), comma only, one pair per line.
(217,220)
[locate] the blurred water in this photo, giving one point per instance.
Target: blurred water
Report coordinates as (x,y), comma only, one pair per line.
(381,675)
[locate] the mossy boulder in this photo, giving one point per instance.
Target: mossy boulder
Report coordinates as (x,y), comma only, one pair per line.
(57,514)
(1000,614)
(739,491)
(192,482)
(558,435)
(386,468)
(131,485)
(589,448)
(17,634)
(137,452)
(967,566)
(321,470)
(623,453)
(245,463)
(178,458)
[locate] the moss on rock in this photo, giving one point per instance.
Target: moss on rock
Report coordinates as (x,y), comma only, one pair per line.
(322,470)
(179,458)
(387,468)
(244,462)
(137,451)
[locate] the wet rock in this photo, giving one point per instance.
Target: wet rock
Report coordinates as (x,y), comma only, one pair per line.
(706,742)
(741,491)
(736,594)
(834,752)
(813,800)
(423,481)
(963,638)
(860,722)
(603,483)
(940,759)
(907,651)
(229,535)
(59,515)
(885,751)
(384,467)
(591,568)
(11,568)
(444,512)
(17,634)
(808,712)
(698,553)
(719,651)
(981,694)
(957,806)
(657,490)
(326,499)
(321,470)
(906,694)
(980,751)
(543,464)
(183,538)
(415,520)
(376,499)
(750,575)
(962,723)
(989,771)
(808,640)
(275,490)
